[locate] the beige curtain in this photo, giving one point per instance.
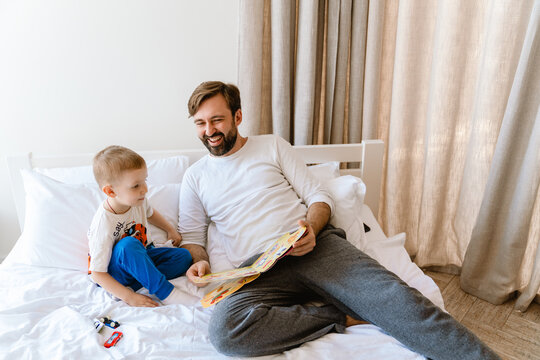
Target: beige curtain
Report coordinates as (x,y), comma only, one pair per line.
(452,89)
(499,258)
(290,79)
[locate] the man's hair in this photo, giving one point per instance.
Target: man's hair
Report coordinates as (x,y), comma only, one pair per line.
(210,89)
(112,161)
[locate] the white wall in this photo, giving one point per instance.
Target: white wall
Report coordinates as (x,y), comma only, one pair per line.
(76,76)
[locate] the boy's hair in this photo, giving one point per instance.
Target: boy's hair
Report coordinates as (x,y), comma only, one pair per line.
(112,161)
(210,89)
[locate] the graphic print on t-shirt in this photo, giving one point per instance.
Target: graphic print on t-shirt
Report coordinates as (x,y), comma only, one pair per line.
(138,231)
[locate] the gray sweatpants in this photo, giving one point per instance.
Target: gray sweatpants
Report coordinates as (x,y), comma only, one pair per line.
(268,315)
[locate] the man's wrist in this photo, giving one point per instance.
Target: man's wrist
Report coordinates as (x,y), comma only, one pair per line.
(198,253)
(318,216)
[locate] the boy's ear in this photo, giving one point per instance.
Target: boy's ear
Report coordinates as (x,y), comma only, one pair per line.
(108,190)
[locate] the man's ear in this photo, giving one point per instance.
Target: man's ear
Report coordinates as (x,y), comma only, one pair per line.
(108,190)
(238,117)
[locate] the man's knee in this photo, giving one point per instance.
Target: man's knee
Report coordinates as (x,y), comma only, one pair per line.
(223,344)
(227,334)
(220,335)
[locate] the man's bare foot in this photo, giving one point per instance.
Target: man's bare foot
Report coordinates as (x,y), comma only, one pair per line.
(350,321)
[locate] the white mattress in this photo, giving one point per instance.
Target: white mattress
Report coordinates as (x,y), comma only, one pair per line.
(47,313)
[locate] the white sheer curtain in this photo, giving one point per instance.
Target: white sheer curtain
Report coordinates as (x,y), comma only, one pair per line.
(452,89)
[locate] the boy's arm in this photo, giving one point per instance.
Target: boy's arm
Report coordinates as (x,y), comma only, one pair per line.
(106,281)
(158,220)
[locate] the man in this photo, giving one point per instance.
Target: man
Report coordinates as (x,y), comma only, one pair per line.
(255,189)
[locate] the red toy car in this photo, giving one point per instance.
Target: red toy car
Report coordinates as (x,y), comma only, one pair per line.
(115,337)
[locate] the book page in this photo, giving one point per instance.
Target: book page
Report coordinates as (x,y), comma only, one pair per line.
(226,289)
(263,263)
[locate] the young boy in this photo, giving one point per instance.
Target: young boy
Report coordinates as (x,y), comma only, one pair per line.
(122,256)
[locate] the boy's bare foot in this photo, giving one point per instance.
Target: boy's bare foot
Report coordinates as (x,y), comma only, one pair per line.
(350,321)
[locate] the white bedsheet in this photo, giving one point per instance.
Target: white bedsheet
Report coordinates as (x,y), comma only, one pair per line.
(47,313)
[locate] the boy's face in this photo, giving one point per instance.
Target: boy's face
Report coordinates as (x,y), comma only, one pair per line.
(130,188)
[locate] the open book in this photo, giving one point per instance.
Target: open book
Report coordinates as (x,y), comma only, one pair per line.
(241,276)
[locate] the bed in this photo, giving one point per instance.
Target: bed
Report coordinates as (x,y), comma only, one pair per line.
(49,304)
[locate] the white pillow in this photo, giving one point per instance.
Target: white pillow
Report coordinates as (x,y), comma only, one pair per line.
(348,193)
(58,216)
(70,175)
(56,223)
(167,170)
(165,199)
(325,171)
(160,172)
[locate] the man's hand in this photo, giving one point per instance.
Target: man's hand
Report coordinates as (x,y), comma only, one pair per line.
(175,237)
(198,269)
(317,217)
(306,243)
(135,299)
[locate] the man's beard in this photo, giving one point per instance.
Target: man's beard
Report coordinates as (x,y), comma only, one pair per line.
(226,145)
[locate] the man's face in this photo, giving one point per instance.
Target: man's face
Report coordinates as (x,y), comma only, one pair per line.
(216,126)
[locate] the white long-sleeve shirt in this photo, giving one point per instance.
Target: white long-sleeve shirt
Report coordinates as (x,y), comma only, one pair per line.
(253,196)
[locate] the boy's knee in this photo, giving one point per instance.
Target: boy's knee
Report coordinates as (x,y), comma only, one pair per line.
(128,244)
(185,256)
(182,261)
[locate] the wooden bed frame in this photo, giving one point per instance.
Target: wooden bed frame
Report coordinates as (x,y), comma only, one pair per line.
(369,154)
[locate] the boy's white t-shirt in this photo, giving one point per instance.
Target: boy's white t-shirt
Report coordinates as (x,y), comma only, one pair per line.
(107,229)
(253,196)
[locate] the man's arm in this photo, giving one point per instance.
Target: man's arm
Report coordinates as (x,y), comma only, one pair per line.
(201,264)
(306,186)
(193,225)
(317,217)
(310,190)
(197,252)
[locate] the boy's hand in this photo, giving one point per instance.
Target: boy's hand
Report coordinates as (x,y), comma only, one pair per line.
(175,237)
(200,268)
(135,299)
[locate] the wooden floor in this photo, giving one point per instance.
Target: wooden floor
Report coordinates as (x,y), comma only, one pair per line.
(513,335)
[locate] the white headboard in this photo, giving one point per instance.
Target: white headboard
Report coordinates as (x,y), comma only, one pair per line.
(369,154)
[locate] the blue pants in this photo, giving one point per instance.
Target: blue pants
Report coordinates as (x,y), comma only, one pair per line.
(268,315)
(135,266)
